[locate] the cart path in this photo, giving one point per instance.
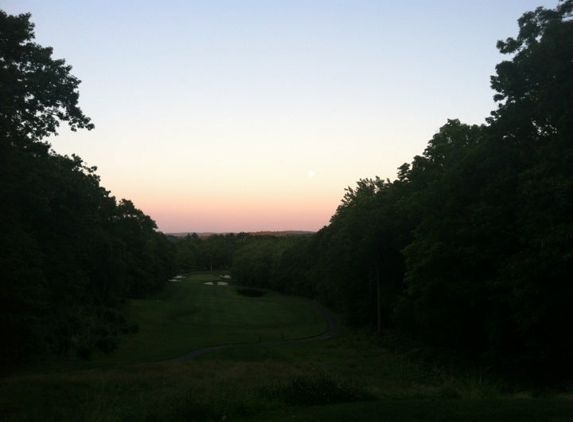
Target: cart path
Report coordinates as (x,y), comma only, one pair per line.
(333,328)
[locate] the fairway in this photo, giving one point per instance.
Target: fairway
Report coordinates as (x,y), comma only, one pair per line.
(190,315)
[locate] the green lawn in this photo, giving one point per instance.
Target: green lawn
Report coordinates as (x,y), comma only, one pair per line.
(345,378)
(190,314)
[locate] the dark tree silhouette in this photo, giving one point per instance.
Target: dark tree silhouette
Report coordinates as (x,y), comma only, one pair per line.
(69,253)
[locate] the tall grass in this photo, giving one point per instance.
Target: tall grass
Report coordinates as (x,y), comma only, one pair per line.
(169,391)
(331,373)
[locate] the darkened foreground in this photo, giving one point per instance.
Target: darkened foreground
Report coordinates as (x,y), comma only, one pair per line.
(471,247)
(346,377)
(69,252)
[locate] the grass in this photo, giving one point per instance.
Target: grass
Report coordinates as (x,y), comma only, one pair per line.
(490,410)
(189,315)
(344,378)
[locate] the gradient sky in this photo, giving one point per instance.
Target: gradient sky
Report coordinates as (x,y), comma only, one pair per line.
(229,116)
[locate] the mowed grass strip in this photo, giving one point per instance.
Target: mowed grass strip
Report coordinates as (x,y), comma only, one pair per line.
(189,315)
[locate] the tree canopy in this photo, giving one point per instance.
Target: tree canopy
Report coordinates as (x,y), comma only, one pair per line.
(37,92)
(69,252)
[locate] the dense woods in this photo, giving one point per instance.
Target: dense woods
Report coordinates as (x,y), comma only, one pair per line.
(70,253)
(470,248)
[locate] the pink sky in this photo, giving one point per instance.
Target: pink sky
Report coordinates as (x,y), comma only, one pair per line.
(241,218)
(235,214)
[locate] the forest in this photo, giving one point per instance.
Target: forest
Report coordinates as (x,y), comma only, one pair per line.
(70,253)
(469,249)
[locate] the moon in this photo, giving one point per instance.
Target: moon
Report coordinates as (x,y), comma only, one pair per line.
(311,173)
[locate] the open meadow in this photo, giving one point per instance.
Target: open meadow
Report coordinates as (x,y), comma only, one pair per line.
(264,376)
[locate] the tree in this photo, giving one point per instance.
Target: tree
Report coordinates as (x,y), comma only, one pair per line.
(291,265)
(188,252)
(534,121)
(481,221)
(253,260)
(36,91)
(488,269)
(535,88)
(449,257)
(69,253)
(359,269)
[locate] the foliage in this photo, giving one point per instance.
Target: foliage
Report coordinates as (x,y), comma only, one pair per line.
(359,262)
(37,92)
(534,120)
(69,252)
(470,248)
(214,252)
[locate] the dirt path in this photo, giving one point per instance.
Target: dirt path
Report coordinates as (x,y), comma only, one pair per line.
(333,328)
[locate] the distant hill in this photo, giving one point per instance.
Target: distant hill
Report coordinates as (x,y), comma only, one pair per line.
(283,233)
(261,233)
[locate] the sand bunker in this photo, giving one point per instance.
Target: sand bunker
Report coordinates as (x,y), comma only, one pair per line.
(176,279)
(216,283)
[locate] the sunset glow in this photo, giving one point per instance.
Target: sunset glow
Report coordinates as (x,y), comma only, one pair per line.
(253,116)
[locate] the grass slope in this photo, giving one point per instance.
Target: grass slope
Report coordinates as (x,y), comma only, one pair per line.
(190,314)
(346,378)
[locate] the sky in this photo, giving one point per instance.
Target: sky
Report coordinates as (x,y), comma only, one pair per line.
(255,115)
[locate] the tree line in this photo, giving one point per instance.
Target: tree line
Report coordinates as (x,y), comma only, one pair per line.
(70,253)
(471,246)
